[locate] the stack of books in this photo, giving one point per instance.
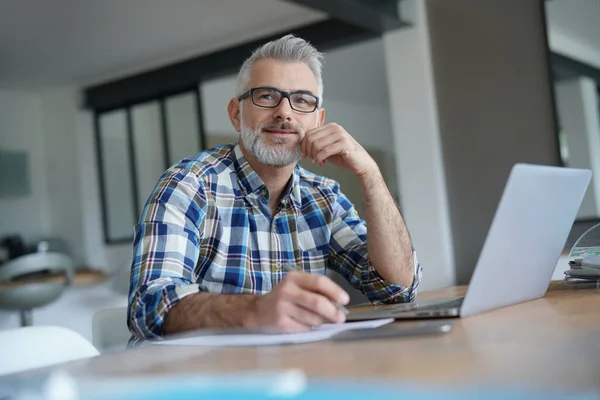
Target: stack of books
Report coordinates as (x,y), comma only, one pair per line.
(584,260)
(584,270)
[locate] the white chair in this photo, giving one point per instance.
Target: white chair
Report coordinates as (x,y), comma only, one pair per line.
(109,329)
(33,347)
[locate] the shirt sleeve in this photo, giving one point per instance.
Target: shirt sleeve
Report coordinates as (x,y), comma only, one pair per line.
(165,251)
(348,256)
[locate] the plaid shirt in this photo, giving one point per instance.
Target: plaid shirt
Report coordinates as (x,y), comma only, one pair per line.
(207,227)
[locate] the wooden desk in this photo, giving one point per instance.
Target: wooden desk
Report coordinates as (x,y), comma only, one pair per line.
(538,343)
(81,277)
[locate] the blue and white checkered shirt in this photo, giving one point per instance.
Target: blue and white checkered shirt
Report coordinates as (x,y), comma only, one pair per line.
(207,227)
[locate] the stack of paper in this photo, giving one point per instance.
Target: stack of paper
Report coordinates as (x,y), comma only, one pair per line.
(584,270)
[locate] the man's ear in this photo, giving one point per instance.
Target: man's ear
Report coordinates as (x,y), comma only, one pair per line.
(233,110)
(321,117)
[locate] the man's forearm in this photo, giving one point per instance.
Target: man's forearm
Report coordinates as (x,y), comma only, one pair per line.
(206,310)
(388,244)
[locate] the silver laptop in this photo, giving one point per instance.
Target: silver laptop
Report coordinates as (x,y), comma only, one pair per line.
(523,246)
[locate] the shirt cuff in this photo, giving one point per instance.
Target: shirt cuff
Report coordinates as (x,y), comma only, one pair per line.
(380,291)
(150,323)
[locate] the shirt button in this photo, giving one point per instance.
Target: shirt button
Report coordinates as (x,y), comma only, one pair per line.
(264,192)
(278,266)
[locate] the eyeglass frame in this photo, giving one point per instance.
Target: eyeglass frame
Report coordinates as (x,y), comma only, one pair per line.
(250,93)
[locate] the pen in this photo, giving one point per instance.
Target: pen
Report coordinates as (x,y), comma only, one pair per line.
(341,308)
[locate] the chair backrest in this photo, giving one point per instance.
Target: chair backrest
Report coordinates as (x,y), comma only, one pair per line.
(109,329)
(36,263)
(36,294)
(33,347)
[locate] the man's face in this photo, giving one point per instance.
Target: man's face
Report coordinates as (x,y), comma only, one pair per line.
(273,135)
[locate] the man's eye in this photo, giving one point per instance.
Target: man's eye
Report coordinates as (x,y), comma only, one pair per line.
(266,96)
(301,100)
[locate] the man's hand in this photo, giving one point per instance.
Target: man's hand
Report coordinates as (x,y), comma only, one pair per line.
(331,142)
(300,301)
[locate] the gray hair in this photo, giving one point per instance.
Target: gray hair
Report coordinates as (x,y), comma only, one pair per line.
(288,48)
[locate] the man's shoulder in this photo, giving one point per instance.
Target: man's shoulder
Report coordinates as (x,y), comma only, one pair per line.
(207,162)
(310,180)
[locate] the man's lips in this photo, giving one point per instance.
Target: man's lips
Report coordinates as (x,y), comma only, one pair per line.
(281,131)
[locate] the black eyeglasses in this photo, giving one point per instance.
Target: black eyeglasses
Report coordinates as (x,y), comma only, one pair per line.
(270,98)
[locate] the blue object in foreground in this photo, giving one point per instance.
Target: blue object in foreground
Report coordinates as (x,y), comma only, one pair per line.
(346,390)
(255,385)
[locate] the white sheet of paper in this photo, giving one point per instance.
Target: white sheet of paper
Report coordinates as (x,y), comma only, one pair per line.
(591,261)
(323,332)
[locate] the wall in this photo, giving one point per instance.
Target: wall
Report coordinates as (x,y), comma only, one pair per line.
(417,146)
(20,129)
(494,105)
(43,124)
(62,166)
(578,110)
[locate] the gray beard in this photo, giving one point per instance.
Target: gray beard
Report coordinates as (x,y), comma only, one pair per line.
(275,154)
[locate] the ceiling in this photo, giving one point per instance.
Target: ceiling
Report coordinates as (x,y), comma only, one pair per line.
(80,42)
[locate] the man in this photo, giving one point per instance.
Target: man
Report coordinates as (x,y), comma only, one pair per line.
(241,236)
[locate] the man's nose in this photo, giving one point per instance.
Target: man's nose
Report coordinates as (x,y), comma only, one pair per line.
(283,110)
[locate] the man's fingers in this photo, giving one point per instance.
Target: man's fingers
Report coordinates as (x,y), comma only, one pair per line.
(290,325)
(328,151)
(306,317)
(322,285)
(321,142)
(314,133)
(308,139)
(319,305)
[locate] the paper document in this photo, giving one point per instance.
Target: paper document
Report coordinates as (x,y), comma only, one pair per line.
(591,261)
(323,332)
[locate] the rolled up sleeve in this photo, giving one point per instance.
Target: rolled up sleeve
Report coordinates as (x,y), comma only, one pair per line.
(165,252)
(349,257)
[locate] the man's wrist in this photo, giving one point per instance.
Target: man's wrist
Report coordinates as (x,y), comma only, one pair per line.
(250,318)
(370,176)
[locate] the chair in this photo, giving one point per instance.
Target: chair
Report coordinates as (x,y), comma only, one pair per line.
(33,347)
(43,288)
(109,329)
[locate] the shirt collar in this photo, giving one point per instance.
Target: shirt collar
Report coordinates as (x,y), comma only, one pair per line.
(250,181)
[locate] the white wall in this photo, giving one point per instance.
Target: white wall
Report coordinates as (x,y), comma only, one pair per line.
(417,145)
(20,130)
(62,166)
(43,124)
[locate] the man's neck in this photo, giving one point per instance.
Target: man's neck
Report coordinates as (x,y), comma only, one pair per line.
(275,178)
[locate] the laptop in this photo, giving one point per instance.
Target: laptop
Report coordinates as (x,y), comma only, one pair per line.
(521,250)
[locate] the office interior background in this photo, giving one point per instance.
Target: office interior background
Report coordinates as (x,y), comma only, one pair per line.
(98,98)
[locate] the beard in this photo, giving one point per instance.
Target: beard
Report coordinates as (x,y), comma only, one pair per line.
(272,151)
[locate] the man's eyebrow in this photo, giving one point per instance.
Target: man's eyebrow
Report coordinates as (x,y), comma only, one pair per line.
(292,91)
(304,91)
